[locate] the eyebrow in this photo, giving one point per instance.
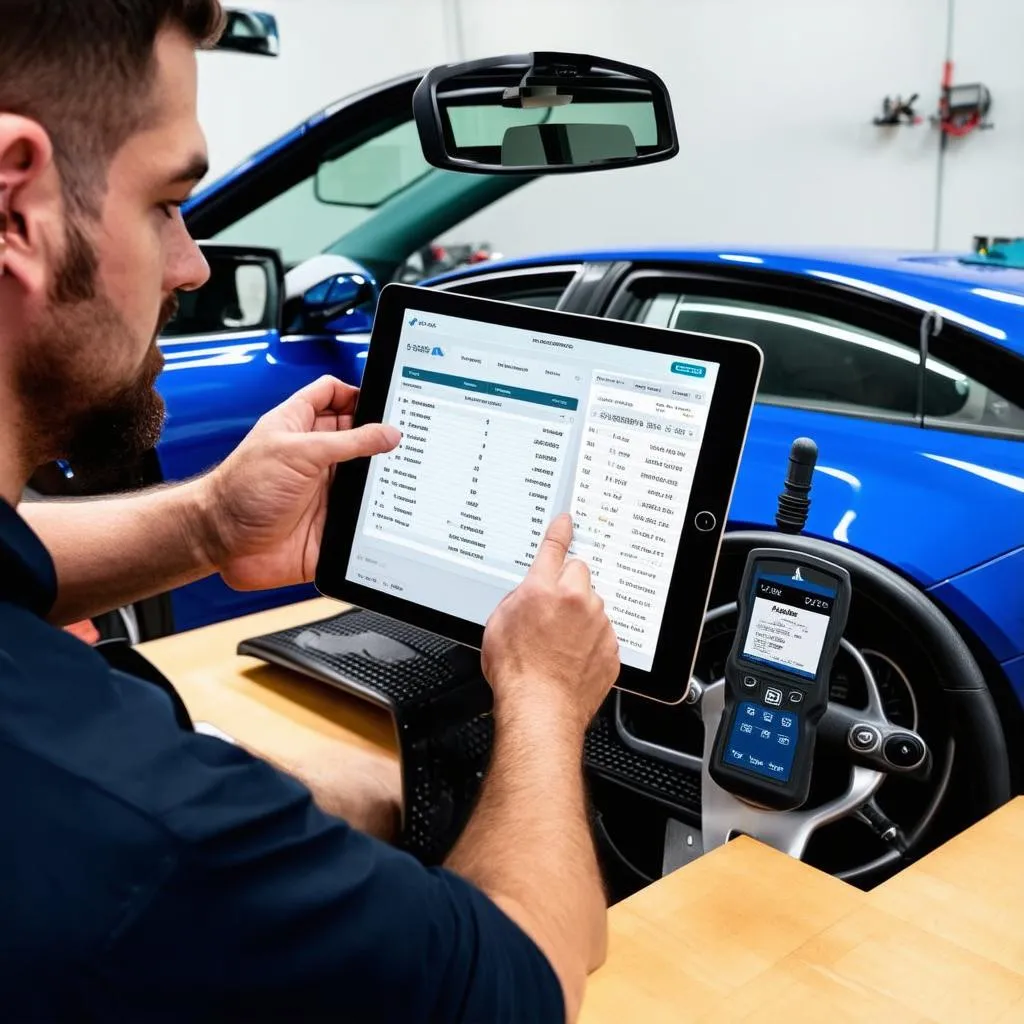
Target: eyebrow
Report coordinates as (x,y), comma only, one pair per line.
(194,171)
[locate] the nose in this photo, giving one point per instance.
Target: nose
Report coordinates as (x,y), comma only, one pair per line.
(187,266)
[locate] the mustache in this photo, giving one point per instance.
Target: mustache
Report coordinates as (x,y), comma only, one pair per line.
(168,311)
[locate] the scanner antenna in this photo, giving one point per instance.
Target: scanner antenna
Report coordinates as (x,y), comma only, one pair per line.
(794,501)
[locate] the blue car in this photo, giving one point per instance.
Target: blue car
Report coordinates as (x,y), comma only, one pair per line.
(907,369)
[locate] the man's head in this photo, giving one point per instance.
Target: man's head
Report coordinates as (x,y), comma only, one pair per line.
(99,144)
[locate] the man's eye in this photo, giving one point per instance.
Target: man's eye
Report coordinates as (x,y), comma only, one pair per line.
(169,210)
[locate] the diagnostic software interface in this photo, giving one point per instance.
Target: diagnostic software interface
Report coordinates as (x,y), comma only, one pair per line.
(789,619)
(501,431)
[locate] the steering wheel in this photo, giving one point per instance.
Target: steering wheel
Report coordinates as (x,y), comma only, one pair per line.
(872,747)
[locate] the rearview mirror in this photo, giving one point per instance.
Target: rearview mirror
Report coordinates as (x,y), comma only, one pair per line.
(248,31)
(543,113)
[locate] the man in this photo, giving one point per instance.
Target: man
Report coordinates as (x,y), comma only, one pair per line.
(147,872)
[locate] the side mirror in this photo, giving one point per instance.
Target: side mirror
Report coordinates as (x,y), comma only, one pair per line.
(543,113)
(242,294)
(342,300)
(248,31)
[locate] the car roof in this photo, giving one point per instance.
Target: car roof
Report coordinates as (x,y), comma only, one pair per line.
(984,298)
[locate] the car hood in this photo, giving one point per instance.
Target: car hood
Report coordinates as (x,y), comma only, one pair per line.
(929,503)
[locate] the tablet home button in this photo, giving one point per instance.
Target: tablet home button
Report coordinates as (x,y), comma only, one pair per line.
(705,522)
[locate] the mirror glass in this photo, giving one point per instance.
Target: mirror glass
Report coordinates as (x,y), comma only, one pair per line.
(574,134)
(247,31)
(343,290)
(341,304)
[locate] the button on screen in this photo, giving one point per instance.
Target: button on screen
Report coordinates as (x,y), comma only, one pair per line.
(763,741)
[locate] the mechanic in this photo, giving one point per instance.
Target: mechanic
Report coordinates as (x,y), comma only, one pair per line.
(148,872)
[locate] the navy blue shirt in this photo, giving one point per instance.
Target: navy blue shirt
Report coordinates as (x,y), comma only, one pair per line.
(148,873)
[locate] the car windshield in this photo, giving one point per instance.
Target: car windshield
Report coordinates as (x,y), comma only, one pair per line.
(345,190)
(381,186)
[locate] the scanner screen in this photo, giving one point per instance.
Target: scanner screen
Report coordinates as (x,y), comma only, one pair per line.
(790,611)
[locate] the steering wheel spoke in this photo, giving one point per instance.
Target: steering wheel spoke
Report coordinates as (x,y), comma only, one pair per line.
(871,741)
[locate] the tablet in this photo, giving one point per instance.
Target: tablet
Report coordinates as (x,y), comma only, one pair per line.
(510,415)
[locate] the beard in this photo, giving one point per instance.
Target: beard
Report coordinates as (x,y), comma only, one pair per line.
(72,411)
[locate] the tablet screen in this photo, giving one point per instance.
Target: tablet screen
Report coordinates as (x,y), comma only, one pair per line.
(502,429)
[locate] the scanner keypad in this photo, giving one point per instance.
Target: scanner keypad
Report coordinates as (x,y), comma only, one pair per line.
(763,740)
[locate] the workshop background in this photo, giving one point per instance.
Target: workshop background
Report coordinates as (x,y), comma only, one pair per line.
(774,102)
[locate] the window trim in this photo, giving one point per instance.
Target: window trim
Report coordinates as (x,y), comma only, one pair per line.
(546,270)
(871,313)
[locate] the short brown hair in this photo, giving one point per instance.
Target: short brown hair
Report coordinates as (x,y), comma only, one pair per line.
(83,68)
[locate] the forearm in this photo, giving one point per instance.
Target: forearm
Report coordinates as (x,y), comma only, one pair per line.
(529,845)
(362,788)
(111,552)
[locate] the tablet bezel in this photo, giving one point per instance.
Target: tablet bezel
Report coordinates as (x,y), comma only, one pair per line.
(740,365)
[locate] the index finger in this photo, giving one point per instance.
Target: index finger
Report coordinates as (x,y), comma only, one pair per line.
(553,548)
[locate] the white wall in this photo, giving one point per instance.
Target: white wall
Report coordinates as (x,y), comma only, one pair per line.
(773,101)
(983,191)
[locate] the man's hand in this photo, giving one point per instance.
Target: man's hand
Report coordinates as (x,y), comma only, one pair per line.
(550,639)
(551,656)
(264,507)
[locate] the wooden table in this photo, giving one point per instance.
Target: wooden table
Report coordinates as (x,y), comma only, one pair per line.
(276,712)
(744,933)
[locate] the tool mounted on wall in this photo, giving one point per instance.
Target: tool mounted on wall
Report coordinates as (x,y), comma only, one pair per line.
(962,108)
(897,111)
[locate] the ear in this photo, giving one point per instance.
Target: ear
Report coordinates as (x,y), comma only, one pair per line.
(31,204)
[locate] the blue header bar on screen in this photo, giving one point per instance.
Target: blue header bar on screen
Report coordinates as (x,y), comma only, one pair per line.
(487,387)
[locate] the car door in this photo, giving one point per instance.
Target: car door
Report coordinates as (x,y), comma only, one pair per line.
(907,455)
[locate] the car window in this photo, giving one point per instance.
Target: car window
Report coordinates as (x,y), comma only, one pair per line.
(340,194)
(541,289)
(816,362)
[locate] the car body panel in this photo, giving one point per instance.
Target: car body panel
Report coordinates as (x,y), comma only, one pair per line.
(908,496)
(991,597)
(988,300)
(215,389)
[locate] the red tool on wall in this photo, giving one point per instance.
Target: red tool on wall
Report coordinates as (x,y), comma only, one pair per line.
(962,108)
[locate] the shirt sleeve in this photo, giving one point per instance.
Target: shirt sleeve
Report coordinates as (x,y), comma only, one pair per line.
(275,911)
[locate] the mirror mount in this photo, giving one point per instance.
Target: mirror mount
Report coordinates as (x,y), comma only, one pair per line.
(578,113)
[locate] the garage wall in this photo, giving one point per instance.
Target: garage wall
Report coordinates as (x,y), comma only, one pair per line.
(773,104)
(773,101)
(983,175)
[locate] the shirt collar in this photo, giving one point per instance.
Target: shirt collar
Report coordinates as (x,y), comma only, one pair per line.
(27,574)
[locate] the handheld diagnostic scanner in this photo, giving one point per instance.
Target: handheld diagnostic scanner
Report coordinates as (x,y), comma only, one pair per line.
(793,610)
